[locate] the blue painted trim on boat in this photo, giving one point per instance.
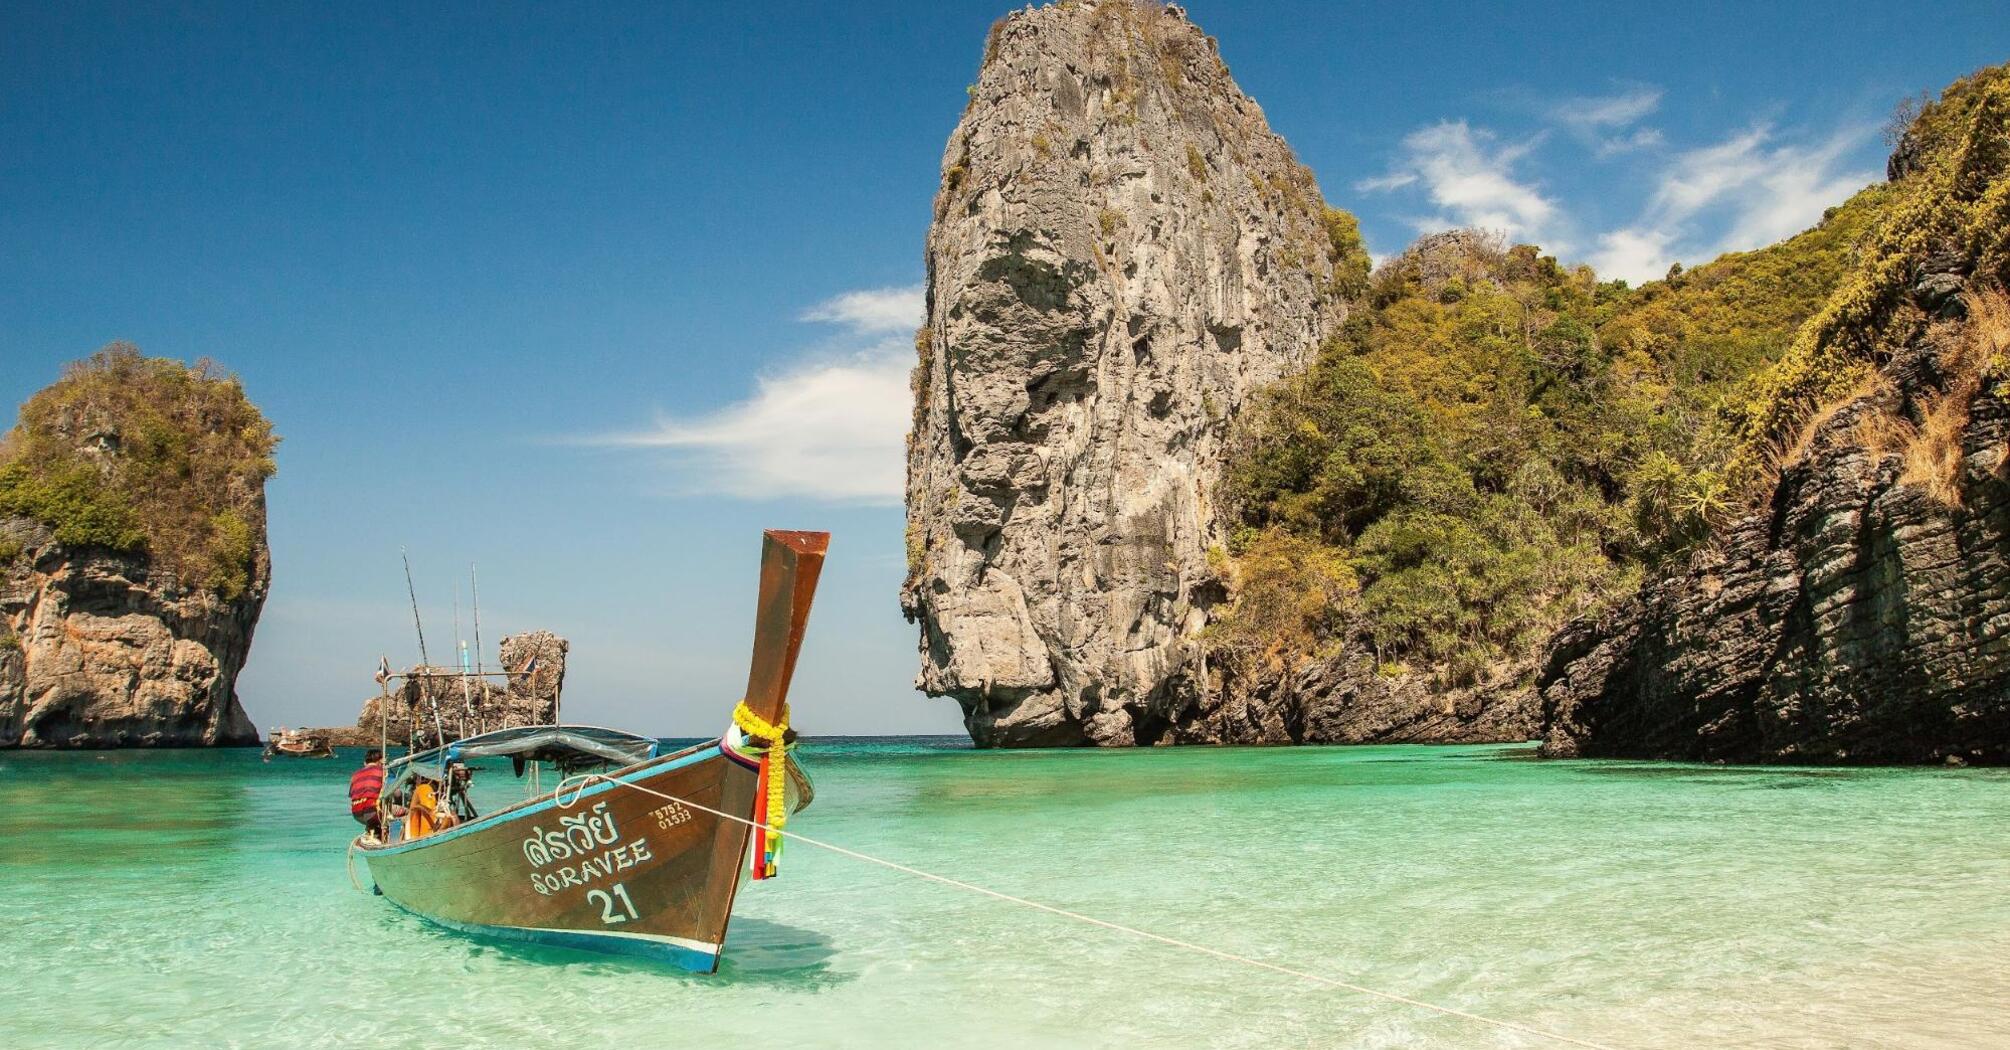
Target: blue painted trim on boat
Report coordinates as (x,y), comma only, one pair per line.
(657,951)
(639,772)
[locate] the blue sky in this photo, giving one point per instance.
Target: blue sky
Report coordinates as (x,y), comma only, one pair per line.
(588,297)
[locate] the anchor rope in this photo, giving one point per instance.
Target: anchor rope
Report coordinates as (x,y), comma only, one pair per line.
(586,779)
(349,862)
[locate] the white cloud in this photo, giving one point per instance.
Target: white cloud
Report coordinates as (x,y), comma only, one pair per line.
(1472,181)
(831,427)
(1702,177)
(1632,142)
(1606,123)
(831,430)
(1751,189)
(1633,254)
(873,310)
(1608,111)
(1394,181)
(1793,188)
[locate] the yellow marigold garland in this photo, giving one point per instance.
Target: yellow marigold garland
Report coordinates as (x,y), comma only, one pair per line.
(755,726)
(774,783)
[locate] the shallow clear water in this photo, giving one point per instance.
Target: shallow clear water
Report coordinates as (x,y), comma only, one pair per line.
(200,899)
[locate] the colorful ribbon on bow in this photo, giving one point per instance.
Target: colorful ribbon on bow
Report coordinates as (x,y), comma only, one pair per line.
(771,802)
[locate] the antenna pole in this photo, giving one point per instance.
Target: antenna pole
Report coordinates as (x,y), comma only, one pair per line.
(424,660)
(461,647)
(384,708)
(475,581)
(413,593)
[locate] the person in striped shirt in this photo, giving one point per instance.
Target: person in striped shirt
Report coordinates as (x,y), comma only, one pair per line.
(365,785)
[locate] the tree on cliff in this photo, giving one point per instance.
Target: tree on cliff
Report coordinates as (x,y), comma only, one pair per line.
(146,456)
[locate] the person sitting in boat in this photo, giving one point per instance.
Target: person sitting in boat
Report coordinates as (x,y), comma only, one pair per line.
(452,797)
(425,814)
(365,786)
(461,808)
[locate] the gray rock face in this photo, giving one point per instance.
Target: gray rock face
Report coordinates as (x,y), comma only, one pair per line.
(419,705)
(1122,253)
(106,650)
(1340,699)
(1863,619)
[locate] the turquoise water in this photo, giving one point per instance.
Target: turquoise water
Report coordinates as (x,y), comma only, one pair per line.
(200,899)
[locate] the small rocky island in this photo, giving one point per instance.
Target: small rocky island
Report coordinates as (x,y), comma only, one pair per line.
(427,697)
(1183,469)
(133,559)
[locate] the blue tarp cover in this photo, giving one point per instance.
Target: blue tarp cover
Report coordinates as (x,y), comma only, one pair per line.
(571,746)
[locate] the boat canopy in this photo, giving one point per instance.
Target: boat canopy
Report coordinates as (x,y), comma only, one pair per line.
(568,747)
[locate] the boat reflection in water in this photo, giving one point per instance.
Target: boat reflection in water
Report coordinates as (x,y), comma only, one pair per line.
(625,859)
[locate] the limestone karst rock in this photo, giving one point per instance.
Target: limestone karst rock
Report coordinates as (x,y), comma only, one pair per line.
(105,649)
(133,558)
(1861,612)
(1122,253)
(1860,618)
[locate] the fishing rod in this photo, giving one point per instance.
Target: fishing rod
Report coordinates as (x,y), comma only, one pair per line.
(439,724)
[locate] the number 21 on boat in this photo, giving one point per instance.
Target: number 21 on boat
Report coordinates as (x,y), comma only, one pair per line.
(608,915)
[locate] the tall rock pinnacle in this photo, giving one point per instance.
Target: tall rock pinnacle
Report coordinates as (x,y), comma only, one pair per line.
(1122,253)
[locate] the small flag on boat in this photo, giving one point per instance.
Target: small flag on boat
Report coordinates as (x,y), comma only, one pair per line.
(383,669)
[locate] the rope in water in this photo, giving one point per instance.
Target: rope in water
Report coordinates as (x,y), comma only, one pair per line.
(587,778)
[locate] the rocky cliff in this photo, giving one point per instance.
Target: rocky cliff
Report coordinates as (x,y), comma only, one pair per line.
(1122,253)
(103,649)
(535,663)
(133,562)
(1860,612)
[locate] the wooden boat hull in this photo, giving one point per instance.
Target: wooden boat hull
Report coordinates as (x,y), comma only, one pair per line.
(612,868)
(616,870)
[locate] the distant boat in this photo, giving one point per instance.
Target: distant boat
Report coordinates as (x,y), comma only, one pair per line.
(628,860)
(298,743)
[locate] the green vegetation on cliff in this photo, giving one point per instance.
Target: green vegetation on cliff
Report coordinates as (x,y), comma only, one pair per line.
(1451,454)
(1496,443)
(1712,329)
(1948,219)
(145,455)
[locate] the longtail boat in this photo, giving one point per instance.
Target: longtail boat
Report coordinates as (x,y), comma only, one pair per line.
(623,855)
